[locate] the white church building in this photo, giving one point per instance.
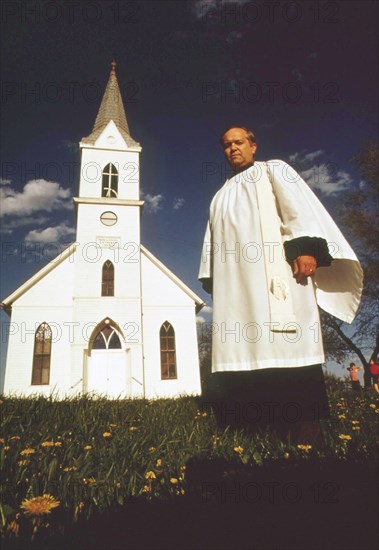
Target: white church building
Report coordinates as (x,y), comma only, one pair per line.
(105,317)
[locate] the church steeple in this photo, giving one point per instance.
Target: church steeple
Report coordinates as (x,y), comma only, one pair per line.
(111,108)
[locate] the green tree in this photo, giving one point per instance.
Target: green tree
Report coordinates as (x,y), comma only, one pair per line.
(359,217)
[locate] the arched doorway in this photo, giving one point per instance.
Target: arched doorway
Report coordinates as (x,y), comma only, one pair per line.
(108,369)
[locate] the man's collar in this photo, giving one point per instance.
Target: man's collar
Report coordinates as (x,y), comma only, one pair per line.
(243,168)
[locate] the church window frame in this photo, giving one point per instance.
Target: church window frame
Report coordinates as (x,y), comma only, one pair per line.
(42,355)
(107,338)
(107,279)
(168,352)
(109,181)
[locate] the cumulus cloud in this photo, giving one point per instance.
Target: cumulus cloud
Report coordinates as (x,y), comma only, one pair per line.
(324,177)
(37,195)
(207,309)
(10,223)
(178,203)
(153,203)
(50,234)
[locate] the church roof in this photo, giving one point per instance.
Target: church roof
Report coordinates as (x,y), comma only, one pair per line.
(111,108)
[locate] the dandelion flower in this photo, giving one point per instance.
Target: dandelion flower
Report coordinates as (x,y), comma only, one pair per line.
(371,405)
(88,447)
(355,421)
(146,489)
(305,448)
(204,414)
(342,417)
(133,428)
(28,451)
(106,435)
(39,506)
(238,450)
(174,480)
(47,444)
(113,425)
(23,462)
(151,449)
(70,469)
(159,463)
(345,437)
(58,444)
(356,427)
(15,437)
(377,411)
(286,455)
(150,475)
(89,480)
(2,440)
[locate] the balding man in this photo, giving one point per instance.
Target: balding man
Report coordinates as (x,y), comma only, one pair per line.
(267,264)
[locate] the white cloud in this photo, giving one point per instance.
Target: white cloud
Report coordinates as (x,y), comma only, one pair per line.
(200,319)
(324,176)
(50,234)
(329,183)
(303,157)
(10,224)
(152,202)
(207,309)
(4,181)
(36,195)
(178,203)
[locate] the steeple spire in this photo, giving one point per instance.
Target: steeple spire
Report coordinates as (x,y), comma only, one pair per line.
(111,108)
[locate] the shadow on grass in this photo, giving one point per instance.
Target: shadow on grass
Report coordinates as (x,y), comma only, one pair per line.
(278,506)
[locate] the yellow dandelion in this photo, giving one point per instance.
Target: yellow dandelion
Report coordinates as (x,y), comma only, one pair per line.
(238,450)
(13,528)
(23,462)
(377,411)
(159,463)
(204,414)
(89,480)
(174,480)
(355,421)
(70,469)
(15,437)
(286,455)
(356,427)
(28,451)
(133,428)
(305,448)
(113,425)
(342,417)
(88,447)
(150,475)
(106,435)
(146,489)
(6,447)
(118,485)
(183,468)
(2,440)
(58,444)
(47,444)
(39,506)
(372,406)
(345,437)
(151,449)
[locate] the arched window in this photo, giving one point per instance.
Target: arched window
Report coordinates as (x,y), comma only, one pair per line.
(168,351)
(107,338)
(42,355)
(107,279)
(110,181)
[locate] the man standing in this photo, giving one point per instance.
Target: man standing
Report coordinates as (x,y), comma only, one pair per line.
(354,377)
(266,263)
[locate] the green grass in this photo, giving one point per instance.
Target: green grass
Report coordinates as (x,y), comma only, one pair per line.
(92,455)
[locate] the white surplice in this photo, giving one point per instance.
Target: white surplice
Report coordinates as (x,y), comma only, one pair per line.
(234,256)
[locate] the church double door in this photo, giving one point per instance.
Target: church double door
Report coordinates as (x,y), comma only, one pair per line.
(107,374)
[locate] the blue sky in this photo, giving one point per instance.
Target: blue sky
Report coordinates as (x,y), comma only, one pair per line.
(302,75)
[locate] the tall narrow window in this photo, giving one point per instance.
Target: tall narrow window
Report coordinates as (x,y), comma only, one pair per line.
(110,181)
(168,351)
(42,355)
(107,279)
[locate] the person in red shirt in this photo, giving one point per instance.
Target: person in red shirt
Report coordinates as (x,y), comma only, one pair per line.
(354,377)
(374,370)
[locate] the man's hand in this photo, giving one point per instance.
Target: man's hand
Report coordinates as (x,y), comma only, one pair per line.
(303,267)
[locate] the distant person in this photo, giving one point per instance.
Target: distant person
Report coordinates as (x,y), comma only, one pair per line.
(354,377)
(374,370)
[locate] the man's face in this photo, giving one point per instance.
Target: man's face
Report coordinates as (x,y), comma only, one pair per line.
(238,149)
